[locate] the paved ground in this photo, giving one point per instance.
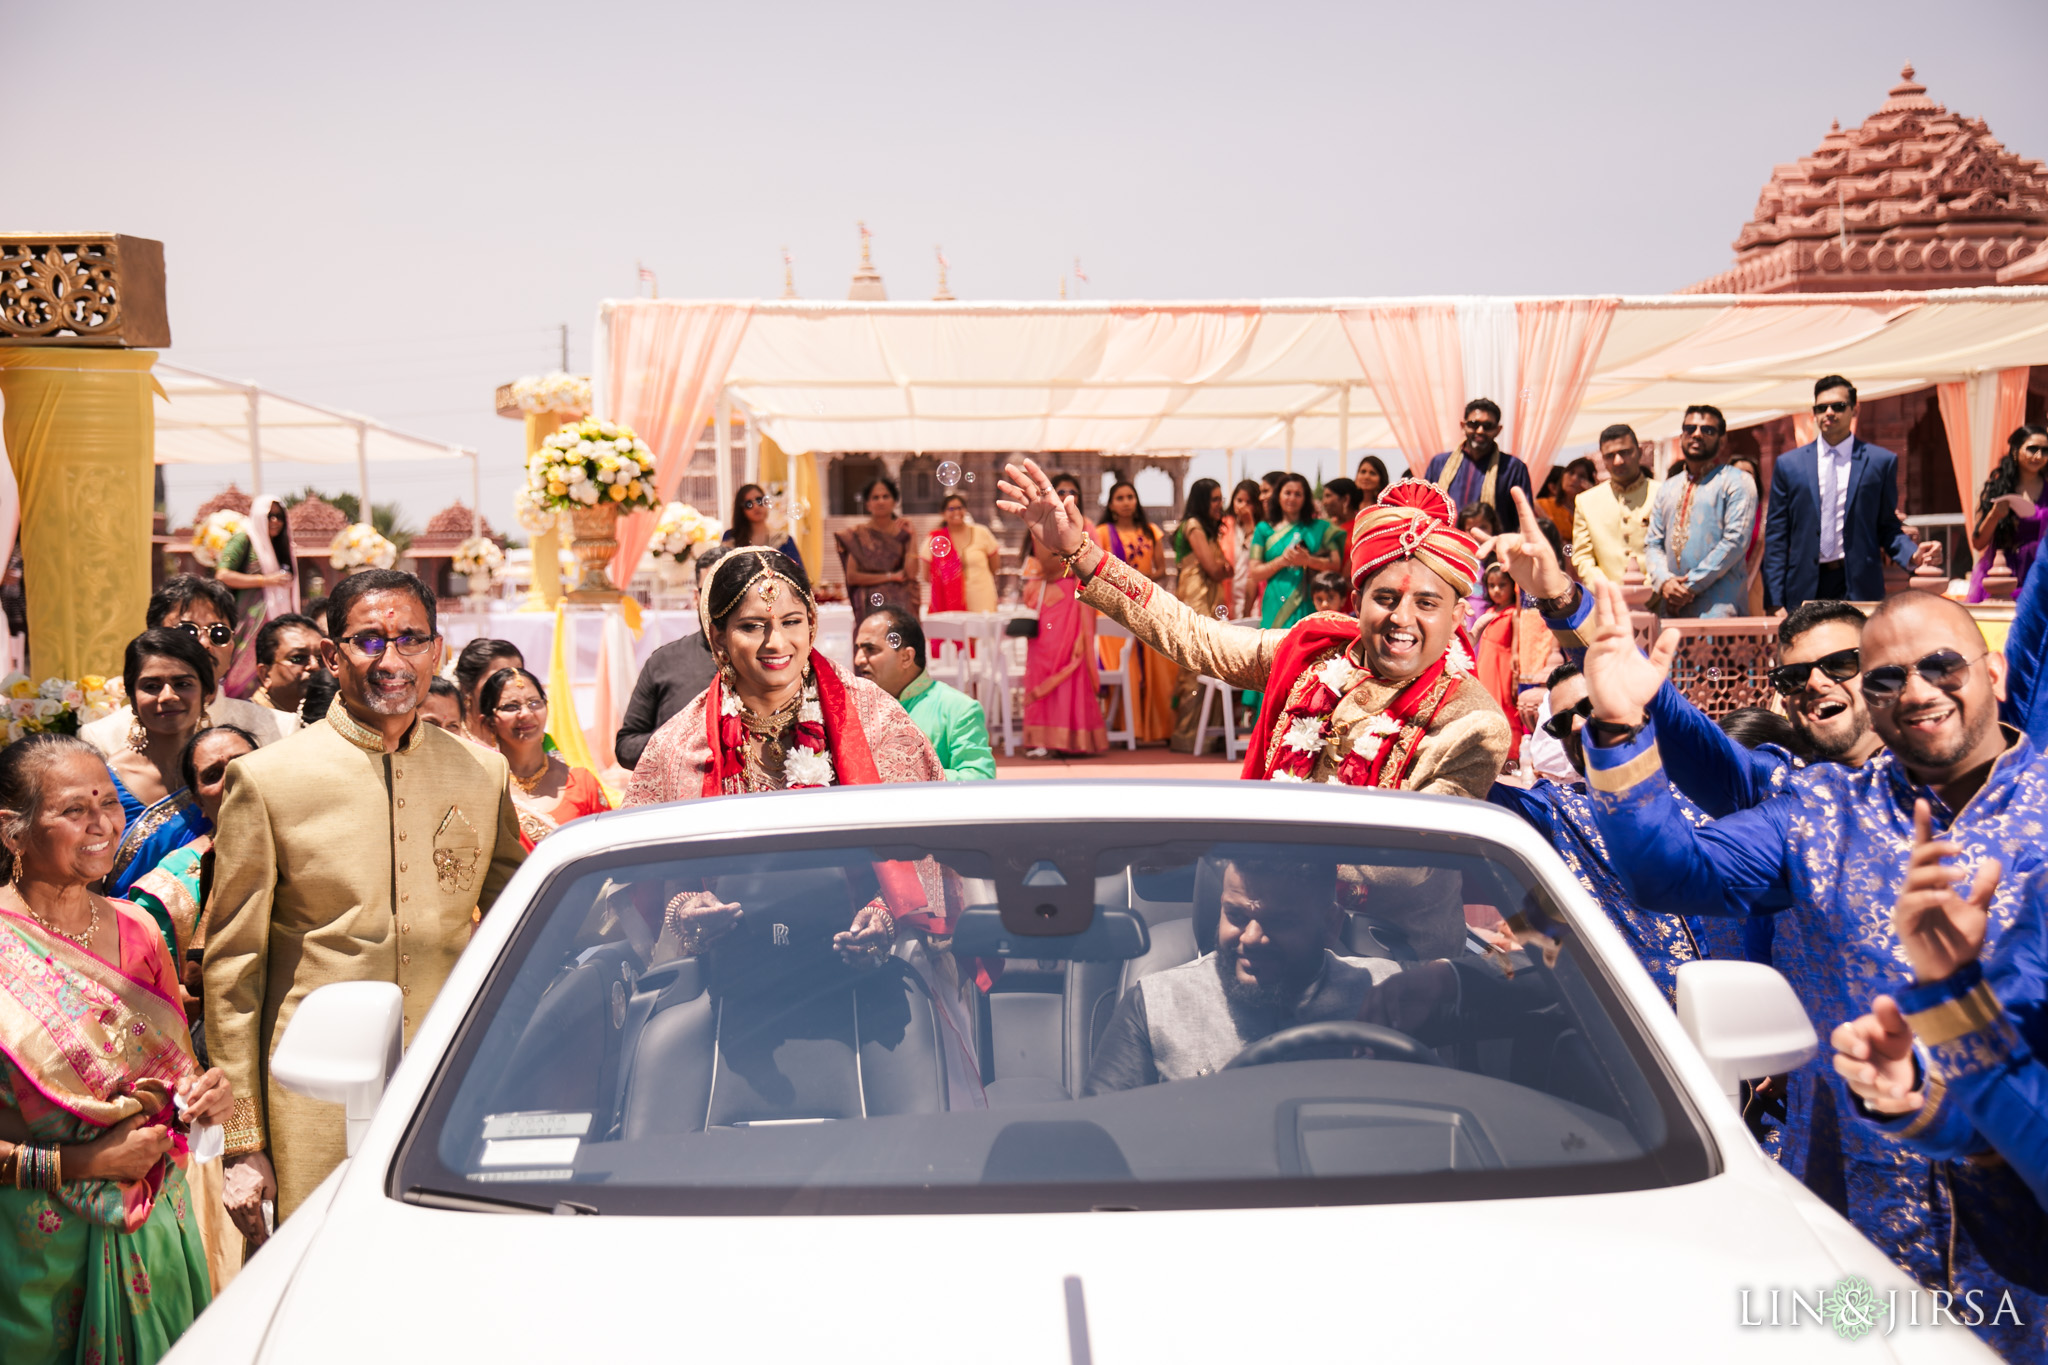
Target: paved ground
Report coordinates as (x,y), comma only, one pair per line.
(1153,761)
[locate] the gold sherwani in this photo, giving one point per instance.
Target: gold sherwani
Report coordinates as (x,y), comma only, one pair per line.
(1460,755)
(1609,527)
(335,861)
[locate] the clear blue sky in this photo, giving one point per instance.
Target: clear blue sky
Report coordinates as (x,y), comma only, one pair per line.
(390,208)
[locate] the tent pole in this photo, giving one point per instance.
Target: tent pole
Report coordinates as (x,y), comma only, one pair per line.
(255,444)
(1290,445)
(753,446)
(721,445)
(1343,428)
(363,467)
(476,494)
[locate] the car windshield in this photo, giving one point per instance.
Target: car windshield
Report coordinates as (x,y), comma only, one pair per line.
(1046,1016)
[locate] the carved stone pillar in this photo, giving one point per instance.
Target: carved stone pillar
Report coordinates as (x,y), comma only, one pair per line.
(80,430)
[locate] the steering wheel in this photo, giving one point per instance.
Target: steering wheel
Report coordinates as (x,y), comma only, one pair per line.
(1334,1038)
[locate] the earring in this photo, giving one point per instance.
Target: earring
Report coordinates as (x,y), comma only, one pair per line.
(138,738)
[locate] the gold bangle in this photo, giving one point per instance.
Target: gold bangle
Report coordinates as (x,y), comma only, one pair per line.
(56,1166)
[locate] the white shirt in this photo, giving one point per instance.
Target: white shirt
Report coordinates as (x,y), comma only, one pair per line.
(1833,469)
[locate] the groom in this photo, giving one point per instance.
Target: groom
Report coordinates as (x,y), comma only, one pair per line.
(1386,700)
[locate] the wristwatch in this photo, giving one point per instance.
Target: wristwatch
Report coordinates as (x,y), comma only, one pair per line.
(1560,607)
(1608,734)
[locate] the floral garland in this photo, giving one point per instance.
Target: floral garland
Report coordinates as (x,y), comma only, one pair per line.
(809,761)
(1305,726)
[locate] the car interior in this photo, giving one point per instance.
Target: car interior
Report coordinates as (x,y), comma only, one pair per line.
(754,1055)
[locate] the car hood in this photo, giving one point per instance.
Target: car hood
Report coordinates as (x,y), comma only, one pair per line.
(1599,1277)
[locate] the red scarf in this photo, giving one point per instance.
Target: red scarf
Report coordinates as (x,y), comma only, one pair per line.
(949,578)
(853,765)
(1295,694)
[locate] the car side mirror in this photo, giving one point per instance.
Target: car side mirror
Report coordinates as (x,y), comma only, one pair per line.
(342,1046)
(1745,1020)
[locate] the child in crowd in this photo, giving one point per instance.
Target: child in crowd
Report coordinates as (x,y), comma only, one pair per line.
(1329,592)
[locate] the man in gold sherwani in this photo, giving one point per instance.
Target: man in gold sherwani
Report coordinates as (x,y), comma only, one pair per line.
(363,848)
(1388,700)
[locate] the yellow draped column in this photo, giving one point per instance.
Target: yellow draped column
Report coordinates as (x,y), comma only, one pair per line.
(81,434)
(546,592)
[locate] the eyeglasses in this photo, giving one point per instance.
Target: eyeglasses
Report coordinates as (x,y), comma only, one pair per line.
(1944,668)
(751,503)
(1482,426)
(1560,725)
(372,645)
(1700,429)
(1822,409)
(219,635)
(1841,665)
(510,709)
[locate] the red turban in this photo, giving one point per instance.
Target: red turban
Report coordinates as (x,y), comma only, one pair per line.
(1414,520)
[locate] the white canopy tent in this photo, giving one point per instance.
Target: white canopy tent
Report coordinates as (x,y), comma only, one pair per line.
(205,419)
(825,377)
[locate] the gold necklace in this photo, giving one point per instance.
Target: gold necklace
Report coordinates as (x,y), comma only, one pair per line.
(82,940)
(527,784)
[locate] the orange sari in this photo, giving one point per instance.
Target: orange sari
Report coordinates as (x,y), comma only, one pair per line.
(1153,675)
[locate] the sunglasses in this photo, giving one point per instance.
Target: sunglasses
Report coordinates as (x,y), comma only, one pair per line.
(1700,429)
(372,646)
(751,503)
(1559,726)
(1944,668)
(1822,409)
(1841,666)
(1482,426)
(219,635)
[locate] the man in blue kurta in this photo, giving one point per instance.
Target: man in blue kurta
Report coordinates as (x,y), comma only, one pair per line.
(1835,840)
(889,651)
(1480,471)
(1953,1066)
(1700,527)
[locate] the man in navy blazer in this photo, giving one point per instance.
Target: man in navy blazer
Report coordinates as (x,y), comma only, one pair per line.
(1834,512)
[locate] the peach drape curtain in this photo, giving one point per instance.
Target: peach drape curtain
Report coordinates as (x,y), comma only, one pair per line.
(1414,358)
(1559,341)
(1977,414)
(666,361)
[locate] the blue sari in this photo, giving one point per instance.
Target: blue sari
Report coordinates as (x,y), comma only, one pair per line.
(153,832)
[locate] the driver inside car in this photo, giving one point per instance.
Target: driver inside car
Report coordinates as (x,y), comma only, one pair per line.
(1275,967)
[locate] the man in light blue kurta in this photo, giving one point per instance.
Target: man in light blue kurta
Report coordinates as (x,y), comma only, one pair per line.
(1700,527)
(889,651)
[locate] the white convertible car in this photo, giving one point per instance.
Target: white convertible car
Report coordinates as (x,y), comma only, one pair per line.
(1130,1108)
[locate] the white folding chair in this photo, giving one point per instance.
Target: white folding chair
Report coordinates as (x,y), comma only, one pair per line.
(949,665)
(1123,676)
(1221,693)
(989,671)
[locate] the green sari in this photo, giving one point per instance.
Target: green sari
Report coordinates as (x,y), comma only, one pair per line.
(1287,597)
(93,1271)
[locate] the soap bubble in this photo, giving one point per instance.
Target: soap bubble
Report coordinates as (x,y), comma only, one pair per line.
(895,641)
(949,473)
(942,546)
(1223,611)
(874,599)
(970,476)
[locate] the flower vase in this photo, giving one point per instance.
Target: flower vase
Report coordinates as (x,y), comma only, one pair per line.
(676,574)
(594,540)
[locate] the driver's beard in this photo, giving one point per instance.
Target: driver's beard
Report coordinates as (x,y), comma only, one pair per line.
(1266,995)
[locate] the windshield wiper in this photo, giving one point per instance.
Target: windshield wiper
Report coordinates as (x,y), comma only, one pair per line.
(471,1203)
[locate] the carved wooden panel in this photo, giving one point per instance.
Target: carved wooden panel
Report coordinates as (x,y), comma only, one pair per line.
(82,289)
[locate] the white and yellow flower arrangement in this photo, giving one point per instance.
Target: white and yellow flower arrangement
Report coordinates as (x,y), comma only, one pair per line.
(556,392)
(592,464)
(480,560)
(211,536)
(57,706)
(361,546)
(533,519)
(681,530)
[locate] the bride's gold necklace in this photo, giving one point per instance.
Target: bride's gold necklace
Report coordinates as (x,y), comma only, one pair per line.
(769,745)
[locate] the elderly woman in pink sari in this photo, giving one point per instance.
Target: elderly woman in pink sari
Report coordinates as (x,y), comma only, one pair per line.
(257,563)
(102,1257)
(1062,714)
